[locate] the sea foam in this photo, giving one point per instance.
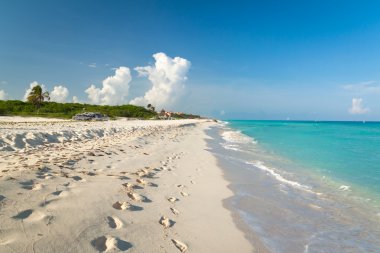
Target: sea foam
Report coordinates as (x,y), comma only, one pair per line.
(260,165)
(237,137)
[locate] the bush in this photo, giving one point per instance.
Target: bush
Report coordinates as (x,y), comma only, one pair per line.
(68,110)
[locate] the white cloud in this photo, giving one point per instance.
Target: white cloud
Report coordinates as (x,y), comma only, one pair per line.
(363,87)
(167,77)
(76,99)
(92,65)
(114,91)
(3,95)
(357,107)
(32,84)
(4,82)
(59,94)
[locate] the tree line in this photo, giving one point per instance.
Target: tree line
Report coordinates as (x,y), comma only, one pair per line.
(37,105)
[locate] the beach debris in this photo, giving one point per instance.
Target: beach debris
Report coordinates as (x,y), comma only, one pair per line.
(180,245)
(140,181)
(91,116)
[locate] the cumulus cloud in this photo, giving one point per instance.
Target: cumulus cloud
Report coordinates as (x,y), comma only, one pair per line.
(92,65)
(167,76)
(114,90)
(59,94)
(357,107)
(33,84)
(3,95)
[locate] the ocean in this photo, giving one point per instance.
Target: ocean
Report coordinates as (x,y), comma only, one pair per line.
(302,186)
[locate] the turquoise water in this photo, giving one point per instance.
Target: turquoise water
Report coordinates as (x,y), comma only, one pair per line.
(345,151)
(307,187)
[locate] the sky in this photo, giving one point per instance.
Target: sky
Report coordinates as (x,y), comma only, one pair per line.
(298,60)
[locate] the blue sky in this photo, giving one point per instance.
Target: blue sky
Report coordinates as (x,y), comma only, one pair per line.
(244,59)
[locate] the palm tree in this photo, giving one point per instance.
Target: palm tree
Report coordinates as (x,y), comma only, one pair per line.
(37,96)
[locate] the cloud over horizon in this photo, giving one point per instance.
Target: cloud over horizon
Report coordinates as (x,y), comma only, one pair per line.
(167,76)
(59,94)
(114,89)
(363,87)
(3,95)
(357,107)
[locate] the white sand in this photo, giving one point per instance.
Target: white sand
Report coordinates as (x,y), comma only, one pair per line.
(135,186)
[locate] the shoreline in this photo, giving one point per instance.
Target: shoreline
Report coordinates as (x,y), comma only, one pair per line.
(228,203)
(136,191)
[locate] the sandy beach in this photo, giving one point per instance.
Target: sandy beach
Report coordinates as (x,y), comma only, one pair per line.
(135,186)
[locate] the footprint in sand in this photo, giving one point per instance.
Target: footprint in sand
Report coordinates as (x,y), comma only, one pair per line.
(109,243)
(60,193)
(175,211)
(124,178)
(152,184)
(172,199)
(77,178)
(180,245)
(37,187)
(129,186)
(139,198)
(150,175)
(114,222)
(120,205)
(166,222)
(134,196)
(37,216)
(46,176)
(141,181)
(126,206)
(185,194)
(47,202)
(31,185)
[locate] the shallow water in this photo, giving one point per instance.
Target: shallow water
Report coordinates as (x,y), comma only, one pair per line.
(292,207)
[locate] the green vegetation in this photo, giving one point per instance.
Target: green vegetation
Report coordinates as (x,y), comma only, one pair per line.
(68,110)
(36,106)
(185,116)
